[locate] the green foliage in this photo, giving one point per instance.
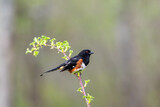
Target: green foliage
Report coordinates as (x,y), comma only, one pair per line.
(78,72)
(80,90)
(86,82)
(89,98)
(39,42)
(70,52)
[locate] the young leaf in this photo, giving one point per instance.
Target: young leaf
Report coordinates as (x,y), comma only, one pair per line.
(70,52)
(52,41)
(65,57)
(89,98)
(32,44)
(28,51)
(47,38)
(58,44)
(86,82)
(35,53)
(35,40)
(79,89)
(43,37)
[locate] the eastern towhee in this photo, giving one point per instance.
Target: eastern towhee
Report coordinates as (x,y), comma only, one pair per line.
(76,63)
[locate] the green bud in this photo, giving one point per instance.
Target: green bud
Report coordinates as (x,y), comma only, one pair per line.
(70,52)
(35,53)
(28,51)
(86,82)
(89,97)
(52,41)
(65,57)
(47,38)
(80,90)
(43,37)
(32,44)
(36,40)
(58,44)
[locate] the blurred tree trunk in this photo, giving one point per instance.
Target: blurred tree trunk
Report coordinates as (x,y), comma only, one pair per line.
(6,16)
(131,75)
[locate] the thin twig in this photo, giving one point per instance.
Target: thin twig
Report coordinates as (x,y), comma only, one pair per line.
(83,90)
(59,51)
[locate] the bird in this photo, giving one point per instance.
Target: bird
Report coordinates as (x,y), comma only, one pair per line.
(74,64)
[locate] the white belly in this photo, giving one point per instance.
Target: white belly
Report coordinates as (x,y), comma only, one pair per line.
(83,66)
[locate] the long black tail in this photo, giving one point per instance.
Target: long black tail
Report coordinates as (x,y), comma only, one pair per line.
(51,70)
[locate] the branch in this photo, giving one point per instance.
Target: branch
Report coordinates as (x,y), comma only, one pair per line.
(63,53)
(59,50)
(83,89)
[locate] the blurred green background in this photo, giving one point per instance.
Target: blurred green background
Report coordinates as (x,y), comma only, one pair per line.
(124,35)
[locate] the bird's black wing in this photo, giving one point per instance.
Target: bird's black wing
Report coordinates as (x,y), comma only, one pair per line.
(71,63)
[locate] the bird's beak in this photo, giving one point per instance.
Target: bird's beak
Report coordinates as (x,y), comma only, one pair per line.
(91,52)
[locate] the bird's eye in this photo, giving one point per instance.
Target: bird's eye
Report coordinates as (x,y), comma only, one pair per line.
(86,51)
